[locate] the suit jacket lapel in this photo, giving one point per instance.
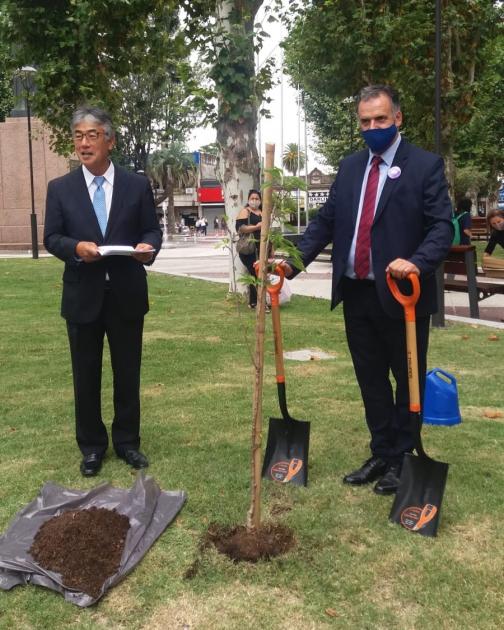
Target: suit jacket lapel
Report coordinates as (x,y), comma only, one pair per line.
(117,196)
(359,171)
(400,159)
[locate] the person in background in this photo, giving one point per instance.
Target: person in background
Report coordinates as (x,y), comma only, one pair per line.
(463,216)
(388,211)
(248,221)
(495,221)
(101,203)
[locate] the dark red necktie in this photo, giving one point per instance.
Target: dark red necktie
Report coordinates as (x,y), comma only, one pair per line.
(363,244)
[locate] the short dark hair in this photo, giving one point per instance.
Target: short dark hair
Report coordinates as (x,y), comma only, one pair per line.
(100,116)
(373,91)
(464,205)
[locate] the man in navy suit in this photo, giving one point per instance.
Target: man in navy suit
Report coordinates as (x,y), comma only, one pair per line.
(103,204)
(388,211)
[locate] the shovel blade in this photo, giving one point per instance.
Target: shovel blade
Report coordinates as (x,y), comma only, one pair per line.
(286,456)
(417,504)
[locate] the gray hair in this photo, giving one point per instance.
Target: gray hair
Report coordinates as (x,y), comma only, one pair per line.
(95,114)
(374,91)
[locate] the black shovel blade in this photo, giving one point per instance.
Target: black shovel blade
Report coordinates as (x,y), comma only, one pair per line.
(417,504)
(286,456)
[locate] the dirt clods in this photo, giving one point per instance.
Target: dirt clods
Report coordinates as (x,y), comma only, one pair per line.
(84,546)
(239,543)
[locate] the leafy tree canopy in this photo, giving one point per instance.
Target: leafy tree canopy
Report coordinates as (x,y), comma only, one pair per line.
(293,158)
(335,47)
(6,96)
(99,51)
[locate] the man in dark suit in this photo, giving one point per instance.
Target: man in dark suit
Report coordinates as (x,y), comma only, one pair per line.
(103,204)
(388,210)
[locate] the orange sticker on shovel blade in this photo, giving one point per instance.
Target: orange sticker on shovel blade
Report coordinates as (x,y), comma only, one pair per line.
(416,518)
(283,472)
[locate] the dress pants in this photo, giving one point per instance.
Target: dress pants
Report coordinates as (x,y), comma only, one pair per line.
(86,348)
(377,345)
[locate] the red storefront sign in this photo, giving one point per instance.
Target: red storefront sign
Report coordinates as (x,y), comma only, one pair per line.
(210,195)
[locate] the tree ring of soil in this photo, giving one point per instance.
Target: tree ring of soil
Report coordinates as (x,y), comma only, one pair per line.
(239,543)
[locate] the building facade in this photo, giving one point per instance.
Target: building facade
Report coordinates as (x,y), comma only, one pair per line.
(15,188)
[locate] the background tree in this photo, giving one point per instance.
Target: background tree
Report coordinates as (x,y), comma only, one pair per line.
(480,144)
(160,106)
(293,159)
(112,53)
(228,42)
(336,47)
(6,75)
(172,167)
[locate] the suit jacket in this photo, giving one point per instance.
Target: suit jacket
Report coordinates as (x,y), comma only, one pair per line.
(70,218)
(412,221)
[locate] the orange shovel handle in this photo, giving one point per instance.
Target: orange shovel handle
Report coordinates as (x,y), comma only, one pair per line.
(407,301)
(274,289)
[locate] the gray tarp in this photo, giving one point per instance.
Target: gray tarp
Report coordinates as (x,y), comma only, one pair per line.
(149,509)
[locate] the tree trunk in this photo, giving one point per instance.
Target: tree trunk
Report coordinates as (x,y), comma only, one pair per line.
(254,513)
(239,159)
(170,212)
(239,172)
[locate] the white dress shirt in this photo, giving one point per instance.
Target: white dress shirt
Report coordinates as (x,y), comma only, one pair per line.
(387,160)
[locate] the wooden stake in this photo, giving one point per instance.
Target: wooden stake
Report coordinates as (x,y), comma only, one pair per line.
(254,514)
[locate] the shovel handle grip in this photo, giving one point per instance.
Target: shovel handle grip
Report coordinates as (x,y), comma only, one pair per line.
(408,302)
(274,289)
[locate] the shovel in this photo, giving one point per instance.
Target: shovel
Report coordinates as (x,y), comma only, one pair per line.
(286,456)
(421,487)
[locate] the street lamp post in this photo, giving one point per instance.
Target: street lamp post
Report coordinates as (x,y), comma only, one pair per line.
(27,73)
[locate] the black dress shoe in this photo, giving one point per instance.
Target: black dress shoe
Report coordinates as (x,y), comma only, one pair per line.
(389,483)
(134,458)
(372,468)
(91,464)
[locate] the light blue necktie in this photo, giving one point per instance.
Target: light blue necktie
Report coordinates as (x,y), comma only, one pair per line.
(99,205)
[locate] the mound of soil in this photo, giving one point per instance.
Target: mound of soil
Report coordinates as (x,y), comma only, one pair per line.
(84,546)
(239,543)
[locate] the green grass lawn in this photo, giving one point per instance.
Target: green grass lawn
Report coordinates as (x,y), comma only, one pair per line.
(351,568)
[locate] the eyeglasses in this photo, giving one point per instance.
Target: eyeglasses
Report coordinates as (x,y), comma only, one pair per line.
(91,136)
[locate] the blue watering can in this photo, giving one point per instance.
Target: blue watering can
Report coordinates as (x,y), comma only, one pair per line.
(441,399)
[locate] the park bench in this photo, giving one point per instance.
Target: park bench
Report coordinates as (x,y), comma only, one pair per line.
(461,274)
(479,229)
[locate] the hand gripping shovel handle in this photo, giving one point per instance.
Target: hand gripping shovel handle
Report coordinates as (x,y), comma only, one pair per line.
(274,292)
(408,302)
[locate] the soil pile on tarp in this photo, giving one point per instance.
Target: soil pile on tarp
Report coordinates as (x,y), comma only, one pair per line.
(84,546)
(239,543)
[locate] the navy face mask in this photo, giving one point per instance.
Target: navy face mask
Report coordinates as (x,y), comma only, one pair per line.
(379,139)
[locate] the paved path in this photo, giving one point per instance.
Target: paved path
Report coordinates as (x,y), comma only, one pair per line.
(203,259)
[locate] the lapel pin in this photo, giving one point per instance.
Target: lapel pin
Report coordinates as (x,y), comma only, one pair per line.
(394,172)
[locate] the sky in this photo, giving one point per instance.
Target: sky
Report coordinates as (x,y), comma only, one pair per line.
(270,129)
